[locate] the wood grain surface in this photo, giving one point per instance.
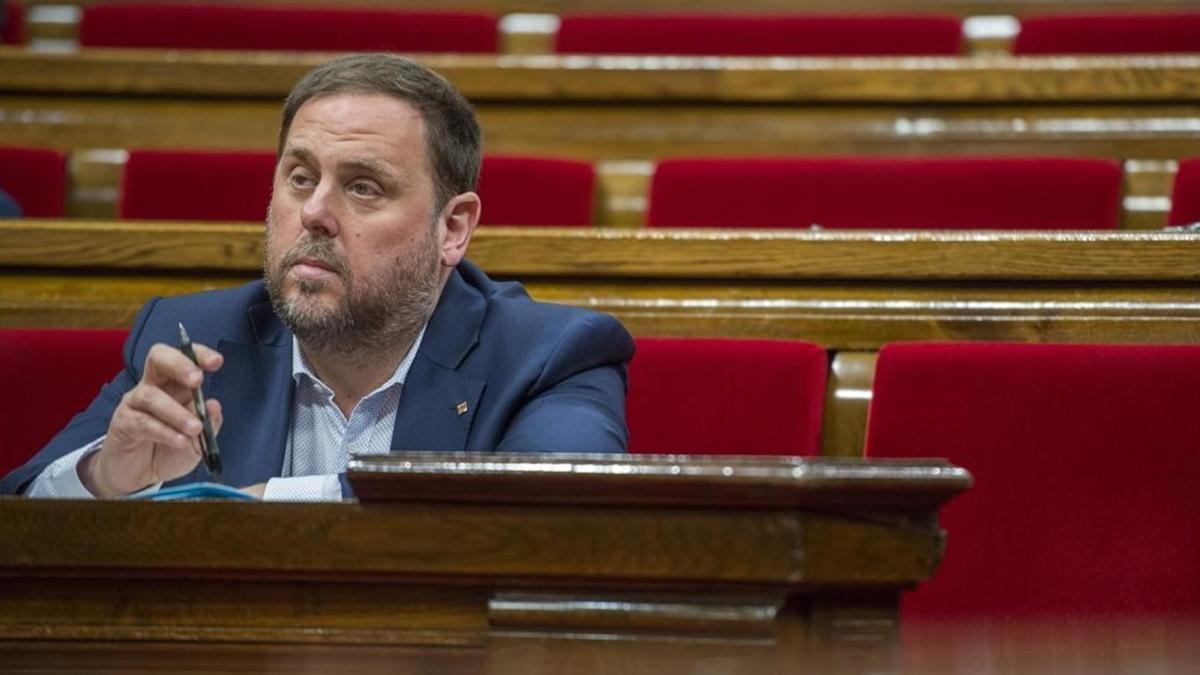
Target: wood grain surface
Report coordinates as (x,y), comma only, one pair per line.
(484,78)
(844,290)
(623,108)
(763,559)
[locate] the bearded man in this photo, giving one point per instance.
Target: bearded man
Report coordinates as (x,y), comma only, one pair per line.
(370,331)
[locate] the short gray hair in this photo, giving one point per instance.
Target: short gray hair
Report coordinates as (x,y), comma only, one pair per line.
(452,133)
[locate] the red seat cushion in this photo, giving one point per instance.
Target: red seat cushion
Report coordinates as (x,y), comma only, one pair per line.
(536,191)
(1086,461)
(720,397)
(1185,198)
(1109,34)
(758,35)
(49,375)
(195,185)
(36,178)
(14,24)
(887,192)
(285,28)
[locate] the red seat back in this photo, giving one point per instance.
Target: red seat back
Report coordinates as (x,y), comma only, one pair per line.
(14,23)
(758,35)
(536,191)
(36,178)
(48,376)
(720,397)
(195,185)
(887,192)
(1109,34)
(184,26)
(1086,460)
(1185,197)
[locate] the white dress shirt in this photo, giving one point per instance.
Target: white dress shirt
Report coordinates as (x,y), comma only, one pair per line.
(319,442)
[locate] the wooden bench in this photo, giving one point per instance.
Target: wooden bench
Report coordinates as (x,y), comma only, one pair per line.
(625,112)
(848,291)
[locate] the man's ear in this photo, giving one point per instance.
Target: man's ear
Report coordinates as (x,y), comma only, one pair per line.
(459,218)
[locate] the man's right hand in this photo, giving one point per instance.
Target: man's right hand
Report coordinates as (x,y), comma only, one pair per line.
(154,435)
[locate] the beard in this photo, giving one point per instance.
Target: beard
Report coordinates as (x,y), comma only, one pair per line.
(371,314)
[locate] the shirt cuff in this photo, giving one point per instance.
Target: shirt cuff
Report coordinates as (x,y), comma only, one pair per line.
(61,479)
(323,488)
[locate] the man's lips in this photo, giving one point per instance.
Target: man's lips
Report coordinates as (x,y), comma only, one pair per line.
(312,268)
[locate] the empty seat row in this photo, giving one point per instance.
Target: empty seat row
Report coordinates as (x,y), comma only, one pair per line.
(1085,457)
(192,26)
(798,192)
(236,186)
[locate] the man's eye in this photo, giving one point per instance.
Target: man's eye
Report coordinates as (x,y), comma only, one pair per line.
(363,189)
(299,180)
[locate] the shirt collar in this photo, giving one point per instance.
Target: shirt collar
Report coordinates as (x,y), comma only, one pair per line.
(301,370)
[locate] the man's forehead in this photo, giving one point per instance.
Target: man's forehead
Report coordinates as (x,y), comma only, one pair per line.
(366,109)
(356,119)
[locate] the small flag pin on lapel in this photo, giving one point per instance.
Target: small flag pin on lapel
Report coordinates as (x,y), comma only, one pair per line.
(461,408)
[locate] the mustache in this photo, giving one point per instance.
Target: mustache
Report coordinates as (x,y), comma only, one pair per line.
(316,249)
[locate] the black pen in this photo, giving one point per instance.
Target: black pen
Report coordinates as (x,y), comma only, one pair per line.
(208,440)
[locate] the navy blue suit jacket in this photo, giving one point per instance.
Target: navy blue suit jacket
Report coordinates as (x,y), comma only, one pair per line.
(536,377)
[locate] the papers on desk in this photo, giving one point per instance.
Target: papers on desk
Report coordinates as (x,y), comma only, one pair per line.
(194,491)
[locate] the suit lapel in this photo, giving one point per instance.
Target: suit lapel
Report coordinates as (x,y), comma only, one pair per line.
(256,391)
(438,403)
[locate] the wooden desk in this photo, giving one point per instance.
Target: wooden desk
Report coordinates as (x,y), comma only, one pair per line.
(641,108)
(843,289)
(582,564)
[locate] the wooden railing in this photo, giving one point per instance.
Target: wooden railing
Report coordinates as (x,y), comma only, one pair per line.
(642,108)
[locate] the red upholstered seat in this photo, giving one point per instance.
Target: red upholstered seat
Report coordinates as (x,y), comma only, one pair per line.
(887,192)
(1185,197)
(1086,461)
(48,376)
(720,397)
(1109,34)
(196,185)
(536,191)
(36,178)
(757,35)
(13,32)
(183,26)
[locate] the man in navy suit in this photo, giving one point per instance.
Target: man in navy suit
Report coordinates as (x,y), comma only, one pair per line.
(370,331)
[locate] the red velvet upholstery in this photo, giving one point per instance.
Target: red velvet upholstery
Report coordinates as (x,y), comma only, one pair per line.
(721,397)
(48,376)
(196,185)
(1109,34)
(183,26)
(36,178)
(536,191)
(1086,461)
(1185,198)
(887,192)
(758,35)
(14,24)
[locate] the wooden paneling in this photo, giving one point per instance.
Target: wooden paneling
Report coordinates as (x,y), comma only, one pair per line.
(845,290)
(773,562)
(483,78)
(624,108)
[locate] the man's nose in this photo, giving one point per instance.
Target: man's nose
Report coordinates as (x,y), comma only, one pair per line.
(318,215)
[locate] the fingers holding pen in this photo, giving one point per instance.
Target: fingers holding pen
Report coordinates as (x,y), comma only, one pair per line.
(166,366)
(159,406)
